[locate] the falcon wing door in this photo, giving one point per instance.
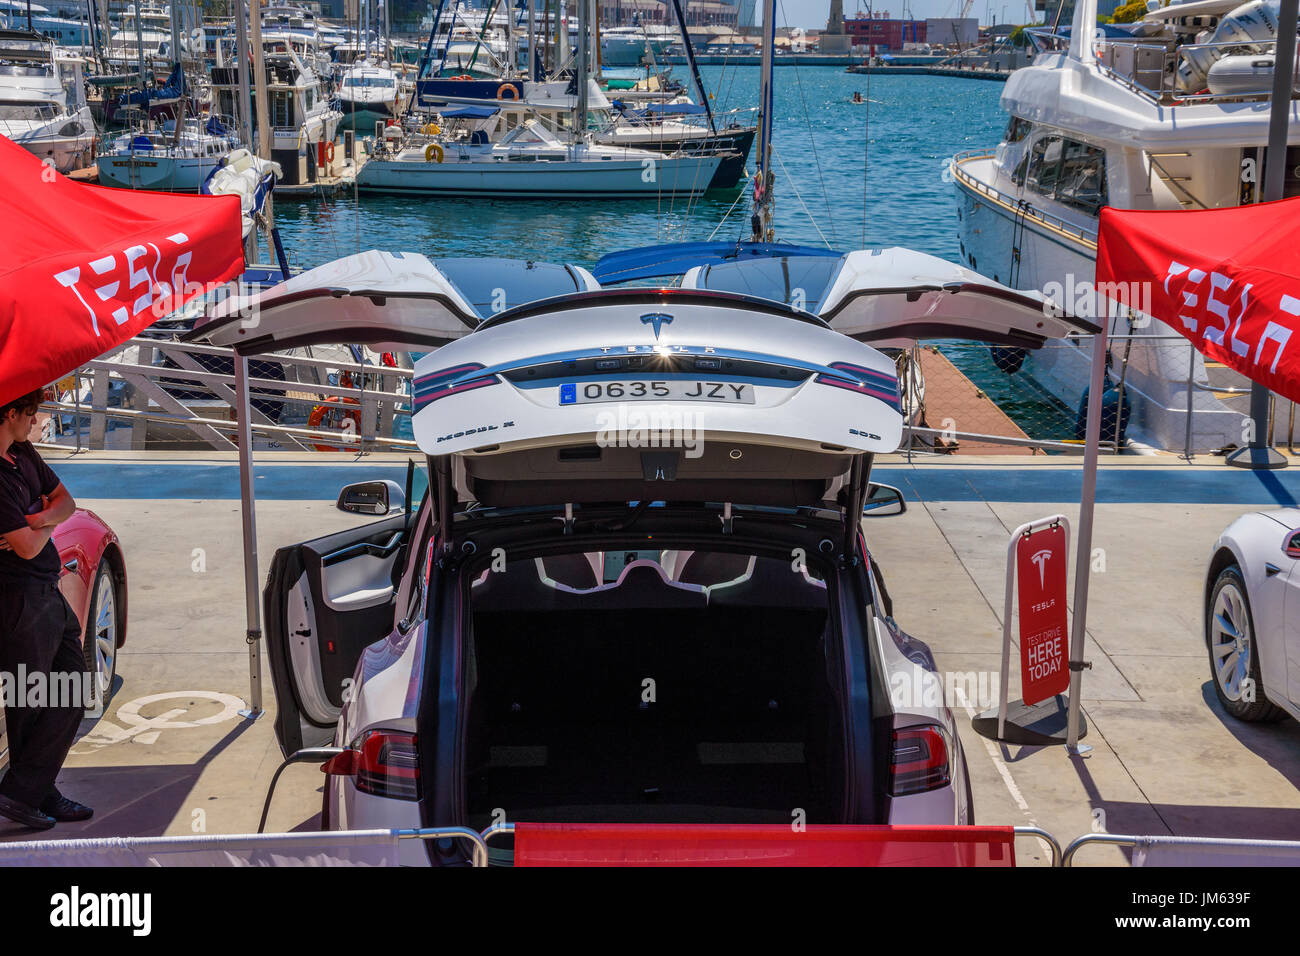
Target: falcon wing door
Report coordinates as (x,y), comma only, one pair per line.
(893,297)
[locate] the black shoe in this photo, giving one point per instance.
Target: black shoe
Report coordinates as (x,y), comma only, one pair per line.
(62,809)
(29,817)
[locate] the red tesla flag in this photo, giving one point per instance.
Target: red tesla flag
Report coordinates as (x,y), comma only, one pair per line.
(1227,279)
(1040,569)
(87,267)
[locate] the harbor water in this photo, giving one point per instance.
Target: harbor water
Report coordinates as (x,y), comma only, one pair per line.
(902,137)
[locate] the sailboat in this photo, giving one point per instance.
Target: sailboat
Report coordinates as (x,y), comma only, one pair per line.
(532,160)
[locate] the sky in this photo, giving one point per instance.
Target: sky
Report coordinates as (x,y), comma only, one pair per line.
(812,13)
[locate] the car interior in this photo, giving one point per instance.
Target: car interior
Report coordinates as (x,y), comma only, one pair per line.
(659,686)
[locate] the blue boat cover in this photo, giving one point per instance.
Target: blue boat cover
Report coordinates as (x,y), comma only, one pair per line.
(470,112)
(215,128)
(173,88)
(676,258)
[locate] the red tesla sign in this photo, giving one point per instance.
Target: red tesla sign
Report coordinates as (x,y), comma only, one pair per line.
(1040,566)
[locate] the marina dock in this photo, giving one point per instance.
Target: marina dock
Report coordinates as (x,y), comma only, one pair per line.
(969,73)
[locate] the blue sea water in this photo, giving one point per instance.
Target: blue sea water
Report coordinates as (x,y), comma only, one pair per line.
(847,176)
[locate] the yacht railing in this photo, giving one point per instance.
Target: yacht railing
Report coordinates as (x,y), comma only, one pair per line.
(1083,234)
(1128,62)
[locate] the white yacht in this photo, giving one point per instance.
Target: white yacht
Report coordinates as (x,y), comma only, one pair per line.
(145,33)
(633,46)
(66,31)
(530,161)
(368,93)
(43,101)
(1170,113)
(165,158)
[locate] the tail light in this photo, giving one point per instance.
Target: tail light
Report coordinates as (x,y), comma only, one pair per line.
(449,381)
(865,381)
(920,761)
(384,764)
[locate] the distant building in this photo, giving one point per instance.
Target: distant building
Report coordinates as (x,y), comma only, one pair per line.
(745,11)
(884,32)
(963,31)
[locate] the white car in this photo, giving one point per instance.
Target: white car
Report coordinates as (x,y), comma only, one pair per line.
(637,589)
(1252,615)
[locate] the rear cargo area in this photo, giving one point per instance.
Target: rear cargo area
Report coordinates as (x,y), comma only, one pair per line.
(648,699)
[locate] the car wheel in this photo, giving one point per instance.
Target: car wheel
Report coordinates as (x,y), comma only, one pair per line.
(1234,655)
(103,621)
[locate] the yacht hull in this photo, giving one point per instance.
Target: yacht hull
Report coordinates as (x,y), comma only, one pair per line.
(160,173)
(1154,362)
(613,179)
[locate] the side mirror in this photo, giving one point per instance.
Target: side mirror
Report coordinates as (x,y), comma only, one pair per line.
(372,498)
(883,501)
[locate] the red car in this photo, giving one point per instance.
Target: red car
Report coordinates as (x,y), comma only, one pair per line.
(93,579)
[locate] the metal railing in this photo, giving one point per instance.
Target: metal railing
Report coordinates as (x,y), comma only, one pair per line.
(1140,843)
(175,385)
(1166,61)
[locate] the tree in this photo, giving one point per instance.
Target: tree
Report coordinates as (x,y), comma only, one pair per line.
(1130,12)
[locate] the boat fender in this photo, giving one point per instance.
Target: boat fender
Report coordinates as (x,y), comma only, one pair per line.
(430,129)
(1007,359)
(431,151)
(507,88)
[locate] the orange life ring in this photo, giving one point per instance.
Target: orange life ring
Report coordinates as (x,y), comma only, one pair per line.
(463,76)
(330,411)
(329,152)
(501,90)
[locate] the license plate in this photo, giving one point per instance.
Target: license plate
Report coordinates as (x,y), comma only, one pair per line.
(585,393)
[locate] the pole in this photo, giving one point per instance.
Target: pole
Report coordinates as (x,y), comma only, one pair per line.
(1259,454)
(761,222)
(247,505)
(1083,556)
(259,79)
(139,51)
(243,106)
(532,39)
(580,75)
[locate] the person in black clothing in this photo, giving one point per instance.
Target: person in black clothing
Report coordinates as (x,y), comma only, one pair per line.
(39,631)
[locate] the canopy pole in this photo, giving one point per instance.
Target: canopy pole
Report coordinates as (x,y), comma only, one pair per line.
(1083,556)
(248,512)
(1259,454)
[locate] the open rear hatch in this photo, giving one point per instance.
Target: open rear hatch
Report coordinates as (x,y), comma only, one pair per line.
(665,395)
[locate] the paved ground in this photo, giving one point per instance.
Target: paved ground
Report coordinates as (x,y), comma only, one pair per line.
(172,756)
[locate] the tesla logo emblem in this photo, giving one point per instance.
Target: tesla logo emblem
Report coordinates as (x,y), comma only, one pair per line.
(657,319)
(1040,561)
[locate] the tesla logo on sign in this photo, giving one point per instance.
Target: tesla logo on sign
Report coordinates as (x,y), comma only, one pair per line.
(1041,566)
(657,319)
(1039,559)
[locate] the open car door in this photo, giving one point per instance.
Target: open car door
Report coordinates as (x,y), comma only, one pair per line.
(326,600)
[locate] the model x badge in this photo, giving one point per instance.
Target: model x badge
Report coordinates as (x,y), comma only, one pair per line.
(657,319)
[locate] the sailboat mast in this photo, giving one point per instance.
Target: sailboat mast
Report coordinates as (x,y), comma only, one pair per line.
(580,73)
(761,221)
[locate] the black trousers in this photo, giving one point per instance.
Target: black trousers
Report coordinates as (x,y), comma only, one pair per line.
(39,633)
